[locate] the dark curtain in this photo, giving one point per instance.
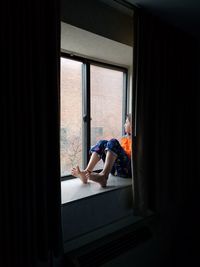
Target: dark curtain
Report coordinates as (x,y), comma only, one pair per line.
(164,98)
(30,170)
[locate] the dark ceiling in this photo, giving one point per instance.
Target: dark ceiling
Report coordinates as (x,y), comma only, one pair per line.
(184,14)
(181,13)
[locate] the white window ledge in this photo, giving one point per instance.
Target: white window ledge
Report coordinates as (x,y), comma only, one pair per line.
(74,189)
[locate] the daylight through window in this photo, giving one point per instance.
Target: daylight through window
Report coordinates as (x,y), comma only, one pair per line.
(107,94)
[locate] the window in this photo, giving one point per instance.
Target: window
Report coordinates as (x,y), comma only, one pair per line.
(93,107)
(71,115)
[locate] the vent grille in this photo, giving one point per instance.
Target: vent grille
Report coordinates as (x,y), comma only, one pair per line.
(104,253)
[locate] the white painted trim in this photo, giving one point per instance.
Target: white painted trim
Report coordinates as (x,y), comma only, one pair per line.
(86,44)
(74,189)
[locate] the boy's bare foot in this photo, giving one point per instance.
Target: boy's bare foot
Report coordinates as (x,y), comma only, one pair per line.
(80,174)
(100,178)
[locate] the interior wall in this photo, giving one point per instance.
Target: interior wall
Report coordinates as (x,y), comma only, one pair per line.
(83,43)
(98,18)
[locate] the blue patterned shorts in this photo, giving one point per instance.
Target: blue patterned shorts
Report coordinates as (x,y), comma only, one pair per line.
(122,165)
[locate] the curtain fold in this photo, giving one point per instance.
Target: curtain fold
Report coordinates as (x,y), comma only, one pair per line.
(30,173)
(164,84)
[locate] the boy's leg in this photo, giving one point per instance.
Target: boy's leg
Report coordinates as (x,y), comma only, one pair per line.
(82,174)
(97,152)
(94,159)
(116,159)
(99,148)
(122,165)
(102,177)
(109,162)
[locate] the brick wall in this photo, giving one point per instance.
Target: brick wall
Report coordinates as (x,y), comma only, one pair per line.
(106,109)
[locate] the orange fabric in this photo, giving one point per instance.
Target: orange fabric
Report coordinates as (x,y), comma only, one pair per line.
(126,144)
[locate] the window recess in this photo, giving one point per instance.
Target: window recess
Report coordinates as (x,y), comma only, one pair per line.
(93,107)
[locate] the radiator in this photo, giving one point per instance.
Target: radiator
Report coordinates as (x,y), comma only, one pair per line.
(104,250)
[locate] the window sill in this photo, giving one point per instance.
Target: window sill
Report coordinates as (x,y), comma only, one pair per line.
(74,189)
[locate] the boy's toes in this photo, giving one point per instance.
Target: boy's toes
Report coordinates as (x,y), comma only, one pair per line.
(78,169)
(87,175)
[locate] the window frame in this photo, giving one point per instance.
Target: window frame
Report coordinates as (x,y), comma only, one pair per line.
(86,98)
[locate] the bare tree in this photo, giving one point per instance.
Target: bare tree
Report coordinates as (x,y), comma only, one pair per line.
(74,150)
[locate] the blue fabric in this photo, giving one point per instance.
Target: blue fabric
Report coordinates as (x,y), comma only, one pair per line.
(122,165)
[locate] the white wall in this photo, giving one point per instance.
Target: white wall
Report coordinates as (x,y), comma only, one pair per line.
(94,46)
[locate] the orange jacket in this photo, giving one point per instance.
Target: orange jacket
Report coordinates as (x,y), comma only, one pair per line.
(126,144)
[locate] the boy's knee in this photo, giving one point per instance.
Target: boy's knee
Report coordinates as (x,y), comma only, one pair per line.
(113,143)
(102,142)
(99,147)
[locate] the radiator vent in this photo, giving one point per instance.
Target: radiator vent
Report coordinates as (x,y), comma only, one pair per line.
(101,254)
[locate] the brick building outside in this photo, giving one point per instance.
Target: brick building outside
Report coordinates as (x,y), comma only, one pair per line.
(106,109)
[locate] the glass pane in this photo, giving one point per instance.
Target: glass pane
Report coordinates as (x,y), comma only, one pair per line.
(71,115)
(106,104)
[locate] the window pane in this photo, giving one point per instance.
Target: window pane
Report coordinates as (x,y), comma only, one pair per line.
(71,115)
(106,104)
